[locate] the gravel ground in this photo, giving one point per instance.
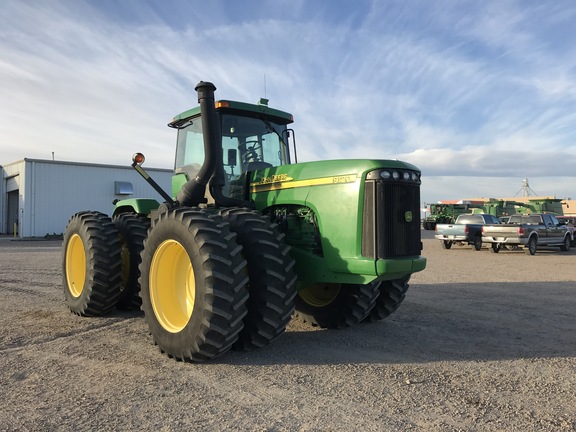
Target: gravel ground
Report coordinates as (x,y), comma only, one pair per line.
(483,342)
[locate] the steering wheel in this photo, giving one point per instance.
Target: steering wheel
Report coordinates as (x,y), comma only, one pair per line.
(250,154)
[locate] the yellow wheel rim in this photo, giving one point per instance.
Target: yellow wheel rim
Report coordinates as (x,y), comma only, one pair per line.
(319,295)
(172,286)
(75,265)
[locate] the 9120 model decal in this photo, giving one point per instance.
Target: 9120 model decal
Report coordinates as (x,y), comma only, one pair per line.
(282,181)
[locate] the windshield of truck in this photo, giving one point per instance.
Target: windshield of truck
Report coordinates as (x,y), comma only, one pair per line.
(525,219)
(469,219)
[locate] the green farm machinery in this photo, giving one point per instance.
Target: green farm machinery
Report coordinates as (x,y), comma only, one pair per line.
(248,237)
(444,213)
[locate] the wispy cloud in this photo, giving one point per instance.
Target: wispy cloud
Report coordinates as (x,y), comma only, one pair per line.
(458,88)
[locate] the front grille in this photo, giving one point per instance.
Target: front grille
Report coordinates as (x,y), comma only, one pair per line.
(391,219)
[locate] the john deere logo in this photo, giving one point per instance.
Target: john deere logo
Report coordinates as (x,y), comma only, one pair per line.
(408,216)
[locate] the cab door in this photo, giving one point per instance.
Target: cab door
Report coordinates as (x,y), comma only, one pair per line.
(552,229)
(557,231)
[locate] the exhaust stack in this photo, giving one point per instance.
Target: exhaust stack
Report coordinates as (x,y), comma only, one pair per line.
(192,193)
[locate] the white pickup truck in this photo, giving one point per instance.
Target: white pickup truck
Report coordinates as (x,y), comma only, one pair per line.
(466,230)
(529,231)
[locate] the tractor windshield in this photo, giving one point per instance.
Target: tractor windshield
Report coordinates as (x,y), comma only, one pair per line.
(248,144)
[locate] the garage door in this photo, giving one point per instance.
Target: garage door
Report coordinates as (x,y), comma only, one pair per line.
(13,183)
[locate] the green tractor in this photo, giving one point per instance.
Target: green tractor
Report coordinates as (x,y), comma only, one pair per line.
(444,214)
(545,205)
(247,238)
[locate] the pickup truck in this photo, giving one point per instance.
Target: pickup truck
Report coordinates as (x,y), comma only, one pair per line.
(570,222)
(529,231)
(466,230)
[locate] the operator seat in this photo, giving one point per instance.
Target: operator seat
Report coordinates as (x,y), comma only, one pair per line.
(253,166)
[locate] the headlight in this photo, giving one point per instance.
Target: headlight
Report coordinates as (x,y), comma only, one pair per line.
(395,175)
(385,175)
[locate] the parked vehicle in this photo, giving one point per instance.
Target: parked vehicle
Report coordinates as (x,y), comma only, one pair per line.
(444,214)
(447,213)
(466,230)
(570,222)
(529,231)
(547,205)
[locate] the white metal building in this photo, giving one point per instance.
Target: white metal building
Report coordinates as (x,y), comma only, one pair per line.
(37,197)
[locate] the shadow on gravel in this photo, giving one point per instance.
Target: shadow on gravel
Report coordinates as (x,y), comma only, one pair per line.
(438,323)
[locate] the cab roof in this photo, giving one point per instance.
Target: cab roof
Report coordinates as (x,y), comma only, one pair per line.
(233,107)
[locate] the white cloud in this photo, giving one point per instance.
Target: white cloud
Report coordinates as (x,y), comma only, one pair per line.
(456,89)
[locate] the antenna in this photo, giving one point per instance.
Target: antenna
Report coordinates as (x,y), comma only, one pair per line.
(265,96)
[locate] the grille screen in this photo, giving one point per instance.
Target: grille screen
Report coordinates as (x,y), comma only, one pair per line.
(391,219)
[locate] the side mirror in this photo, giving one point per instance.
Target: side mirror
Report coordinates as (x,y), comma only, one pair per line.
(232,157)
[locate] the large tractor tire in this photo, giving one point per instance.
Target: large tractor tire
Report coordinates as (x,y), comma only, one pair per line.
(392,293)
(331,305)
(272,281)
(193,285)
(91,266)
(132,230)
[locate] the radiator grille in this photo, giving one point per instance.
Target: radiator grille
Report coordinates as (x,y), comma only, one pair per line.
(391,220)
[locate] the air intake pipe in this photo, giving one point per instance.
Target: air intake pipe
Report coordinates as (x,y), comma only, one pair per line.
(192,193)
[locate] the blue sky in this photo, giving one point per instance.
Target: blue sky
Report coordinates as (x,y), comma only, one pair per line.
(478,94)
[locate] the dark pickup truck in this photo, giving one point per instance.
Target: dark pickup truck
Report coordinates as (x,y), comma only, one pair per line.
(466,230)
(529,231)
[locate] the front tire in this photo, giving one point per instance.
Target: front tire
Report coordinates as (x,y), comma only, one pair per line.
(193,285)
(272,281)
(91,270)
(447,244)
(566,245)
(392,294)
(333,305)
(495,247)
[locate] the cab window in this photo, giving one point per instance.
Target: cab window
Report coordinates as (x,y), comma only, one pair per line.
(190,148)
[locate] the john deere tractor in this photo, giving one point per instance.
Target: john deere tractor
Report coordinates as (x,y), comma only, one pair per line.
(246,238)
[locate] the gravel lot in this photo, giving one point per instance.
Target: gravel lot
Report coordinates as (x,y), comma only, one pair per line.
(483,342)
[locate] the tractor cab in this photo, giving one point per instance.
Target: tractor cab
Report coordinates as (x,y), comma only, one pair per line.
(250,138)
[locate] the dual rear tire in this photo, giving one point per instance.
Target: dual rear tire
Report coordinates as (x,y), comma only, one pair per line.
(271,281)
(211,282)
(91,264)
(191,274)
(193,285)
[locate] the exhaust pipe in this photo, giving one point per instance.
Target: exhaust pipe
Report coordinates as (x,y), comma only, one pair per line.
(192,193)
